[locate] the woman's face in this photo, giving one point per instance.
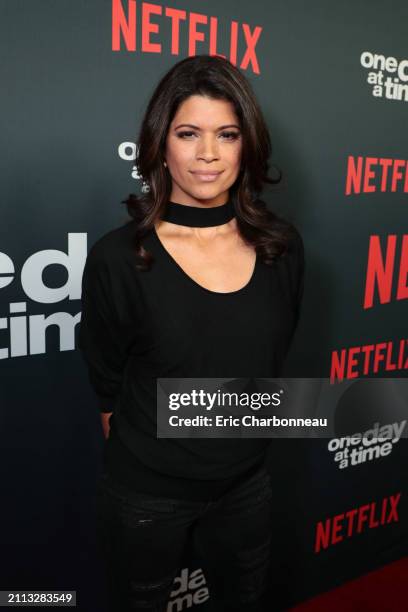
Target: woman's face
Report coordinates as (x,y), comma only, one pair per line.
(203,151)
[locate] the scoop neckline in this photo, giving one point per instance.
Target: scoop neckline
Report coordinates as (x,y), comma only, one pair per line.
(192,281)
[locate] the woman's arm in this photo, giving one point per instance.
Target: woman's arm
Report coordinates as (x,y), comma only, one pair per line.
(100,340)
(105,423)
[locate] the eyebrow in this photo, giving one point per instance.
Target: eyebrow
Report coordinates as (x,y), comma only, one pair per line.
(195,127)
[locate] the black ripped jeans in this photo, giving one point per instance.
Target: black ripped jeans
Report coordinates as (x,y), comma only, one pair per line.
(142,538)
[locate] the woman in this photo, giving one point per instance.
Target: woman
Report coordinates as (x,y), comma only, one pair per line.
(203,282)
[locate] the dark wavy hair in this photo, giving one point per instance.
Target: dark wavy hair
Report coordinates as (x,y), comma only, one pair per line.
(216,78)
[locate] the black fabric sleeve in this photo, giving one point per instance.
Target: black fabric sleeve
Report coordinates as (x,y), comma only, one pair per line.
(297,272)
(293,268)
(99,336)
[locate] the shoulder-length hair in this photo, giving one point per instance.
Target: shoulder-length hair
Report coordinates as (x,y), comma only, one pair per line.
(213,77)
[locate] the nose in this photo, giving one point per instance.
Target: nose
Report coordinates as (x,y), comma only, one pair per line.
(207,148)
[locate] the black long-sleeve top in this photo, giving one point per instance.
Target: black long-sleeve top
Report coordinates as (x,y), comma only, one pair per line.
(137,326)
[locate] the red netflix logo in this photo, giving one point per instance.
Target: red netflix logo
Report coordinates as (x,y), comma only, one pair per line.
(370,174)
(346,525)
(380,271)
(197,27)
(368,359)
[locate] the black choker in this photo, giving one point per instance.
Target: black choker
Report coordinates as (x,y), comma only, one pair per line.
(198,216)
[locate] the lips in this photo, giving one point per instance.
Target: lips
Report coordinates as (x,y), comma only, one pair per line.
(206,173)
(206,176)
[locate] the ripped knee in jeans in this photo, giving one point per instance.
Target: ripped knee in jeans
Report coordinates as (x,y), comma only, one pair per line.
(151,596)
(254,571)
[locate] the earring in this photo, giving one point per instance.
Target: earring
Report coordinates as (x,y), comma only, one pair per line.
(164,164)
(145,188)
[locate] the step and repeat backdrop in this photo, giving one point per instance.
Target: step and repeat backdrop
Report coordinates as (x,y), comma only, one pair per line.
(332,80)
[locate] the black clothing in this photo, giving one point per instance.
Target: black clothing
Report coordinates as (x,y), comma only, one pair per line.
(143,541)
(141,325)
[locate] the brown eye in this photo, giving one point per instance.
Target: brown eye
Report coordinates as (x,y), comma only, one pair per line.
(230,135)
(184,134)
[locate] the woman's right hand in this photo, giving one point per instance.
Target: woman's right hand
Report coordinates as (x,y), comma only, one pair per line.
(105,423)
